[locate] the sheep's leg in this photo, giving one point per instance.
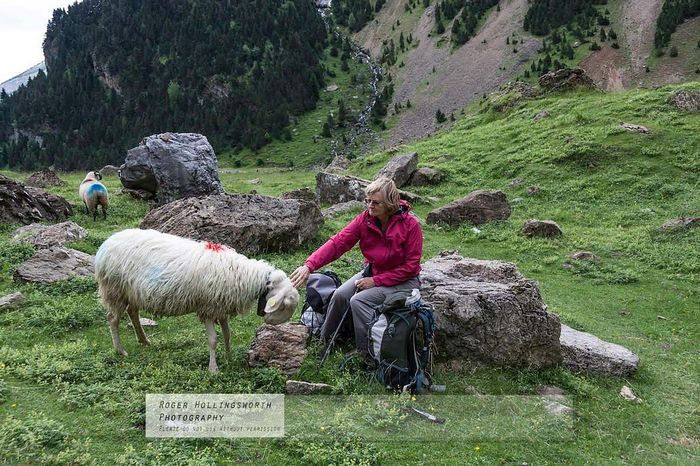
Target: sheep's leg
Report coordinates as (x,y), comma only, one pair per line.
(211,337)
(226,331)
(113,320)
(134,316)
(104,212)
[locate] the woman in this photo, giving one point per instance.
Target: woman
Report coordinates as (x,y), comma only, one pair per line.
(391,242)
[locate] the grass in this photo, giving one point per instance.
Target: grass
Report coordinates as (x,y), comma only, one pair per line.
(66,397)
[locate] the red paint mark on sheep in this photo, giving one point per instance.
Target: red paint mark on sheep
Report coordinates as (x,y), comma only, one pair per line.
(215,247)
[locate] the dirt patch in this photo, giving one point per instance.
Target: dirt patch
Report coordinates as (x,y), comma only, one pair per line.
(608,69)
(638,26)
(480,66)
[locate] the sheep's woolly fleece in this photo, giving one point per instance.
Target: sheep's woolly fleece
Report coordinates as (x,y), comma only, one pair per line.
(168,275)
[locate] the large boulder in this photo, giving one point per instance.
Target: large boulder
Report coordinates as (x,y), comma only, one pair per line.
(684,100)
(400,168)
(566,79)
(51,265)
(486,311)
(23,204)
(478,207)
(12,301)
(44,179)
(343,207)
(46,236)
(583,352)
(282,346)
(250,223)
(172,166)
(303,194)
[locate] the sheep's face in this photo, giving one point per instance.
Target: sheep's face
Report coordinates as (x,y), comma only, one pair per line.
(282,299)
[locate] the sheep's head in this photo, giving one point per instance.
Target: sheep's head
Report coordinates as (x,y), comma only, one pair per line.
(281,299)
(93,176)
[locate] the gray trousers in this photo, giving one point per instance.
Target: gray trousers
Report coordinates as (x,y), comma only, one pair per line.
(362,305)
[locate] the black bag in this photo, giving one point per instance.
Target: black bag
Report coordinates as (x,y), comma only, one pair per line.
(319,291)
(400,340)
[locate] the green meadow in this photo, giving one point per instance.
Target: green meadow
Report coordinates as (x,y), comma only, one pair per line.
(66,397)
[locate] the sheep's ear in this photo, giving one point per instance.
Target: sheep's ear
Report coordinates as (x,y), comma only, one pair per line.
(281,307)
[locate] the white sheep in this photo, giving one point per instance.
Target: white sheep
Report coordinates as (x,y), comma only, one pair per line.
(170,276)
(94,193)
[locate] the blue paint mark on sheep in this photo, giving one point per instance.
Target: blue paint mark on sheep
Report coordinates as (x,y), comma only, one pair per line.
(95,188)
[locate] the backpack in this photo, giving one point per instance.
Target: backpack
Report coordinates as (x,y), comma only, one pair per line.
(400,340)
(319,290)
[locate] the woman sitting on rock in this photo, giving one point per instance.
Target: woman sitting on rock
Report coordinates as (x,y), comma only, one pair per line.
(391,242)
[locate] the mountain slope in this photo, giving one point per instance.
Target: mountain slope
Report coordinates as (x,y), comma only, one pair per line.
(12,84)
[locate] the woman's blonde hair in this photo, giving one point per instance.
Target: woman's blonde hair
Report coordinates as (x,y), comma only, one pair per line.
(387,189)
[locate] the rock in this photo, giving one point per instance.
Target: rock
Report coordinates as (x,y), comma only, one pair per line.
(332,88)
(551,392)
(533,191)
(478,207)
(627,394)
(583,352)
(684,100)
(283,346)
(304,194)
(565,79)
(109,170)
(584,256)
(172,166)
(145,322)
(44,179)
(426,176)
(46,236)
(486,311)
(541,228)
(515,200)
(680,224)
(249,223)
(12,301)
(54,264)
(334,210)
(542,114)
(636,128)
(254,181)
(23,204)
(297,387)
(400,168)
(514,183)
(558,409)
(139,194)
(334,189)
(510,96)
(337,165)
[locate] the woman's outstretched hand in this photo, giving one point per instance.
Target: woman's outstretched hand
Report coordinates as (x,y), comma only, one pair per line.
(299,276)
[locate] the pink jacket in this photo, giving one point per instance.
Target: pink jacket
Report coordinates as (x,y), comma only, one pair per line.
(394,253)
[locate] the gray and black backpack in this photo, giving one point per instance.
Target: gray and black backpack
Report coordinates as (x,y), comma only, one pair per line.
(319,291)
(400,340)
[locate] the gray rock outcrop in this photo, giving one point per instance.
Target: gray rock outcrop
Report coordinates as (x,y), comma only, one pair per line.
(566,79)
(400,168)
(47,236)
(283,346)
(24,204)
(172,166)
(486,311)
(336,209)
(51,265)
(477,208)
(680,224)
(586,256)
(109,170)
(250,223)
(426,176)
(583,352)
(44,179)
(540,228)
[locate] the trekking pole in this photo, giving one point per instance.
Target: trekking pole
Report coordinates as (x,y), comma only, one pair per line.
(331,342)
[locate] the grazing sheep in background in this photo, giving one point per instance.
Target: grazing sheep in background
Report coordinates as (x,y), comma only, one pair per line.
(170,276)
(94,193)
